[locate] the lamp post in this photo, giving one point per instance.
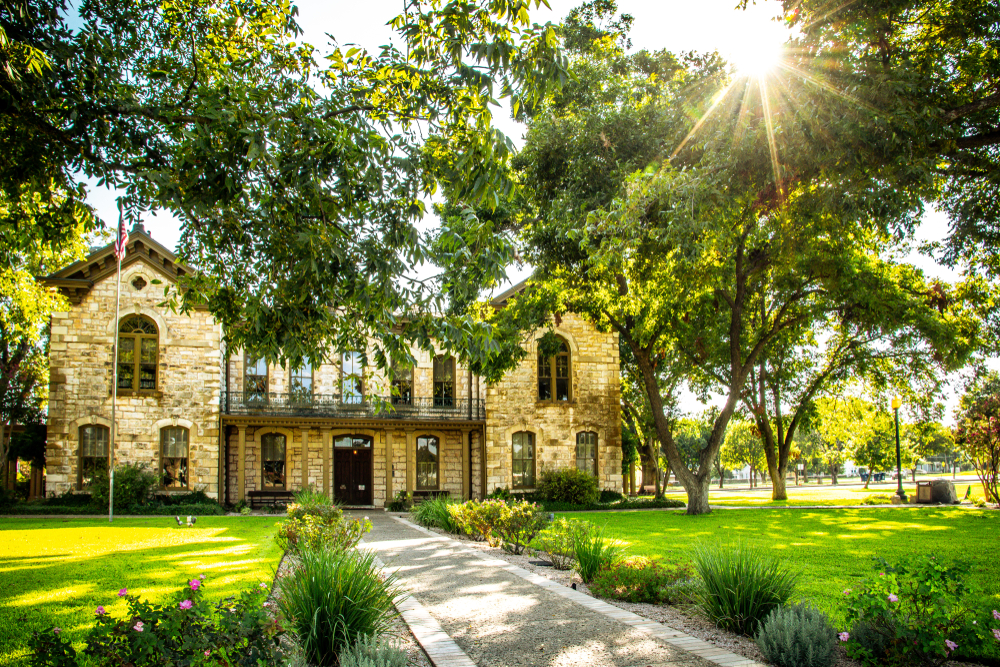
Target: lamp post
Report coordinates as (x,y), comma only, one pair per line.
(896,403)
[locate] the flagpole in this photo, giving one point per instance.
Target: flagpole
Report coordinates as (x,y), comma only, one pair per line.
(114,374)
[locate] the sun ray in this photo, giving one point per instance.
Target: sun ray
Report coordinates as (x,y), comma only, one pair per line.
(721,95)
(771,143)
(806,76)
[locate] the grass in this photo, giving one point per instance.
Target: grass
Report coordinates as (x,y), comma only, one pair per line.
(56,571)
(831,548)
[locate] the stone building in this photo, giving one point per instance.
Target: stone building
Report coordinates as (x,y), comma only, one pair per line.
(207,418)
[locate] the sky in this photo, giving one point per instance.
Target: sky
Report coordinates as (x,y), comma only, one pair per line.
(676,25)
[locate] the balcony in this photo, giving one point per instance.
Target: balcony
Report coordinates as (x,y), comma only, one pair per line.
(333,406)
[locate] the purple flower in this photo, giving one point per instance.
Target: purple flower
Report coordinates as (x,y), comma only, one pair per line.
(996,634)
(138,626)
(194,584)
(56,630)
(100,611)
(844,636)
(122,592)
(186,604)
(893,598)
(951,645)
(996,614)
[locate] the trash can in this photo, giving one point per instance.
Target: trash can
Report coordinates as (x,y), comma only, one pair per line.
(925,492)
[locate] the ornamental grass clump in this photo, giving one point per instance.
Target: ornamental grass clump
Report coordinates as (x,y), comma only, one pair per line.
(434,513)
(557,541)
(595,552)
(334,598)
(741,585)
(373,652)
(797,636)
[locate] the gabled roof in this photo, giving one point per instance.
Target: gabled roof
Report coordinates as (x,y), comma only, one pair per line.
(76,279)
(500,300)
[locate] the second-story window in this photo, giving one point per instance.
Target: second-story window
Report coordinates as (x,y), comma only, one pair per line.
(402,384)
(444,381)
(300,382)
(255,379)
(553,375)
(138,344)
(351,374)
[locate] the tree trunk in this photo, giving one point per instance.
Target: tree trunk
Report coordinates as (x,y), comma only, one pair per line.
(698,502)
(722,476)
(779,488)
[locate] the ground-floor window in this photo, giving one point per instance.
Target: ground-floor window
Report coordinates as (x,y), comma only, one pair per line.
(428,448)
(272,448)
(523,465)
(586,452)
(93,452)
(174,457)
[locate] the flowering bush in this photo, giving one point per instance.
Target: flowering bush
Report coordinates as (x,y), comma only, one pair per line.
(185,631)
(558,539)
(641,580)
(913,613)
(319,525)
(518,524)
(479,519)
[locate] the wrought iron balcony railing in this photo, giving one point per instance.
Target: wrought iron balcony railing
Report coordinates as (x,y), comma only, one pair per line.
(369,407)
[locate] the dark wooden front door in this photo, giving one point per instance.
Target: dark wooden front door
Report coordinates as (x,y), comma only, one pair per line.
(352,475)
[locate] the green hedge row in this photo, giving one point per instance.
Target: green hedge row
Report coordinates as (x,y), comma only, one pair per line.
(32,509)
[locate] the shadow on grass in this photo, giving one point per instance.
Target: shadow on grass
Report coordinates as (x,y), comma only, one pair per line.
(92,561)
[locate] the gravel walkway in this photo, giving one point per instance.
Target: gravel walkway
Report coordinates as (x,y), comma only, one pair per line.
(498,618)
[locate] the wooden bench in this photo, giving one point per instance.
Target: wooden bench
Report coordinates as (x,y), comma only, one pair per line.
(260,499)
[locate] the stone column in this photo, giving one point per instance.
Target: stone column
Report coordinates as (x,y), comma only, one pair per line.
(241,464)
(466,464)
(325,439)
(388,466)
(305,457)
(411,468)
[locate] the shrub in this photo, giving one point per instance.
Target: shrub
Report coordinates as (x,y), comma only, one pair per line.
(480,519)
(741,585)
(400,503)
(319,526)
(797,636)
(609,496)
(373,652)
(134,484)
(640,580)
(333,598)
(877,499)
(916,612)
(558,539)
(433,513)
(236,631)
(595,552)
(569,485)
(518,523)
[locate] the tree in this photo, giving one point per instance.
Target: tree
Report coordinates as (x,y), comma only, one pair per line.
(296,184)
(977,432)
(870,434)
(924,439)
(743,448)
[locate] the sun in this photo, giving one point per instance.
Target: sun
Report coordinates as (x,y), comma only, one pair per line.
(756,57)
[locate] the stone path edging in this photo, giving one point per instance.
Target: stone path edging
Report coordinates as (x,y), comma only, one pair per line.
(439,647)
(657,630)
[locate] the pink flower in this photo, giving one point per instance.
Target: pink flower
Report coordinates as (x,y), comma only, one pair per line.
(847,591)
(264,586)
(893,598)
(951,645)
(138,626)
(194,584)
(100,611)
(844,636)
(267,604)
(996,634)
(122,592)
(186,604)
(207,653)
(996,614)
(56,630)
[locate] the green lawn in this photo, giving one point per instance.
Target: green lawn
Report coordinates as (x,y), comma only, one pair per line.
(56,571)
(831,548)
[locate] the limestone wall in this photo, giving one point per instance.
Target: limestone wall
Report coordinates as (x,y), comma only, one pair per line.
(512,405)
(81,367)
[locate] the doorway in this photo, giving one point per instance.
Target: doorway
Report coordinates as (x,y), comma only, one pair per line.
(352,469)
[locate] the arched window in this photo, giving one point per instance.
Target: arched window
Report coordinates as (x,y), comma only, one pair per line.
(444,381)
(300,382)
(255,378)
(93,453)
(174,457)
(523,464)
(272,454)
(351,373)
(586,452)
(138,346)
(553,375)
(428,453)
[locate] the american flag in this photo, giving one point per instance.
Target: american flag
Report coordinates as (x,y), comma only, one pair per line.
(122,238)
